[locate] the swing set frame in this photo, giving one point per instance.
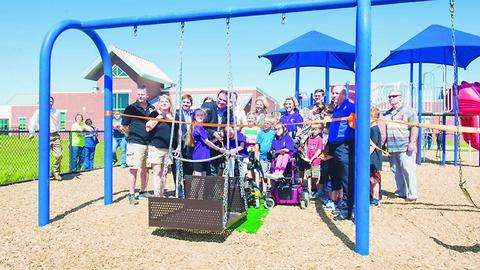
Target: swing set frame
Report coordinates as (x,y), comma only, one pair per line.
(362,78)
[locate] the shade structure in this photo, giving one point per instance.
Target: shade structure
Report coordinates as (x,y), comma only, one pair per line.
(312,49)
(434,45)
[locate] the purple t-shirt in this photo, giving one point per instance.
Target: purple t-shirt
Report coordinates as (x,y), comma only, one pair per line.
(201,150)
(240,139)
(289,119)
(284,142)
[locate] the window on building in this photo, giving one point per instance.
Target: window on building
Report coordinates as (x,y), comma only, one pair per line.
(4,124)
(117,72)
(63,120)
(120,101)
(22,123)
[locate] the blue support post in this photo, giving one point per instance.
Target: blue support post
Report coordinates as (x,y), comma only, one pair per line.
(107,117)
(455,111)
(444,141)
(327,82)
(311,100)
(297,79)
(44,119)
(411,85)
(362,127)
(420,111)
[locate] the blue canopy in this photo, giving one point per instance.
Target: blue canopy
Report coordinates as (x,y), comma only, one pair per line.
(434,45)
(312,49)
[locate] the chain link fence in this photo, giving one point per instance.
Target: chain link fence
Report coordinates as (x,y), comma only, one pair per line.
(19,155)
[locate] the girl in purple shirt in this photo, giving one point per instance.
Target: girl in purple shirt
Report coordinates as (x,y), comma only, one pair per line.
(291,116)
(197,138)
(283,149)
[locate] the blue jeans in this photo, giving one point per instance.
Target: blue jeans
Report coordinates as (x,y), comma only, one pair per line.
(76,158)
(89,154)
(122,142)
(402,165)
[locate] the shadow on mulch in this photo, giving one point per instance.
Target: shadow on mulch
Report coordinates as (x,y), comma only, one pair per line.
(193,236)
(475,248)
(447,162)
(85,204)
(333,228)
(435,207)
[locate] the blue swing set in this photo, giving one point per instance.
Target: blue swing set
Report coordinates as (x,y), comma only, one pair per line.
(362,75)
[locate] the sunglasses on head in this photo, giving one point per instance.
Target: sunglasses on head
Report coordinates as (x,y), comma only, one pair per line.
(393,96)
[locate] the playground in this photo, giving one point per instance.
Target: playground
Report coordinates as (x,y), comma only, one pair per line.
(439,231)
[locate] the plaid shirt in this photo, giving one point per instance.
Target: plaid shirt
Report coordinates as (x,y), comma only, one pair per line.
(398,135)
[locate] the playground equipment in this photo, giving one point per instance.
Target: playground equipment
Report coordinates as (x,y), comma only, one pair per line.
(362,72)
(469,105)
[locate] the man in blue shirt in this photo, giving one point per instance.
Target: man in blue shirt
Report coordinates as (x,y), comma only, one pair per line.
(341,147)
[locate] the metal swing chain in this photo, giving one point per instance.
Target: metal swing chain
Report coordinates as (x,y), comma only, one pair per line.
(462,183)
(230,90)
(135,31)
(283,18)
(227,162)
(179,168)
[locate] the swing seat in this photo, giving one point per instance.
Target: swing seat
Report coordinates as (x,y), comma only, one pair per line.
(202,209)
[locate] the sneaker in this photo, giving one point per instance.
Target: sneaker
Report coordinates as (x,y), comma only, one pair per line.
(329,206)
(343,215)
(342,204)
(318,194)
(132,200)
(374,203)
(124,165)
(144,195)
(57,176)
(411,200)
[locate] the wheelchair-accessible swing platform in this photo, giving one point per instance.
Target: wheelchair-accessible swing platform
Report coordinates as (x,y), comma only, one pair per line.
(202,209)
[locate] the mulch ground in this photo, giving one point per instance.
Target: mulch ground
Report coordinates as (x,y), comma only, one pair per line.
(440,231)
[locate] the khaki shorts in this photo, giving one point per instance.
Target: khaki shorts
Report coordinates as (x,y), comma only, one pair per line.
(157,156)
(136,155)
(313,172)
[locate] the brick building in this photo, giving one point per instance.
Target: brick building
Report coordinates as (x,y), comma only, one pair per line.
(129,71)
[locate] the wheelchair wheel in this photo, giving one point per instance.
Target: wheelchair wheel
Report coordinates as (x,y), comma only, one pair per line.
(269,203)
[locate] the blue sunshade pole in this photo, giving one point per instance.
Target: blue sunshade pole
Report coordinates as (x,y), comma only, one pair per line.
(420,111)
(362,127)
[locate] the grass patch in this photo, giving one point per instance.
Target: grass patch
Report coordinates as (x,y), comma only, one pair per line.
(254,220)
(19,158)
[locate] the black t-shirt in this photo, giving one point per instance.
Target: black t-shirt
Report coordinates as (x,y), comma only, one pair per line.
(160,135)
(136,127)
(376,156)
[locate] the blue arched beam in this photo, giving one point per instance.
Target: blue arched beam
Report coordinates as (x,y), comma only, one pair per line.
(44,119)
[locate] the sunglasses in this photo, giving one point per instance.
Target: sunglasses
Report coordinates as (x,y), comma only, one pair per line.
(393,96)
(279,128)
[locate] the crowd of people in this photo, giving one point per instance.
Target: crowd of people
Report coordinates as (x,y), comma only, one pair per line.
(323,150)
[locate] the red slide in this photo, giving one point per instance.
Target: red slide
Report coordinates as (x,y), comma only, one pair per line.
(469,103)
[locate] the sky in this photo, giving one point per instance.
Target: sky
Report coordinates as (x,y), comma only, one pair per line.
(25,24)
